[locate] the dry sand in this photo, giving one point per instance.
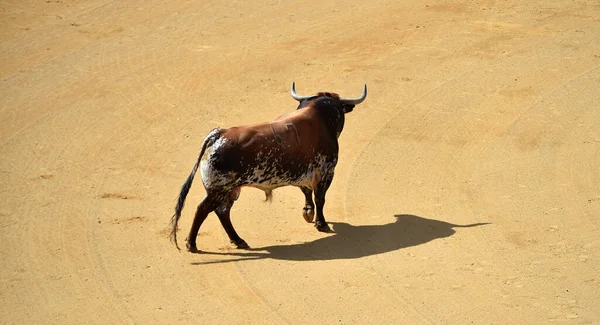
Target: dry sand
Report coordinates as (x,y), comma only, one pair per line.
(467,189)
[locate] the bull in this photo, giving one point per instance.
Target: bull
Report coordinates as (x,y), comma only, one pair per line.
(298,149)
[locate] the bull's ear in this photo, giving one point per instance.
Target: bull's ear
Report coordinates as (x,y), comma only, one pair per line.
(348,108)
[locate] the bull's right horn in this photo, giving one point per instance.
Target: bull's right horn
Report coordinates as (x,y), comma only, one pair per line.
(355,101)
(296,96)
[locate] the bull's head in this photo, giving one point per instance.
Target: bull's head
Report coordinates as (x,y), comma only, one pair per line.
(348,103)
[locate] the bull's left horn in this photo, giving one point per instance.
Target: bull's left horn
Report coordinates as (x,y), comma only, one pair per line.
(355,101)
(296,96)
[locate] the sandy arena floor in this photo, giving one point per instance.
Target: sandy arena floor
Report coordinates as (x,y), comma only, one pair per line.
(467,189)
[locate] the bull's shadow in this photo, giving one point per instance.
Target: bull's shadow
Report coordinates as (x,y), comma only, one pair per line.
(349,242)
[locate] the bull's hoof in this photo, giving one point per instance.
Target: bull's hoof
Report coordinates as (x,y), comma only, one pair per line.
(240,244)
(308,214)
(191,247)
(322,226)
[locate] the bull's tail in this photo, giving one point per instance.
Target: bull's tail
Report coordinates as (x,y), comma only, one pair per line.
(186,187)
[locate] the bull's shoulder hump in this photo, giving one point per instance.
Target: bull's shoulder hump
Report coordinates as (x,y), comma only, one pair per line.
(295,115)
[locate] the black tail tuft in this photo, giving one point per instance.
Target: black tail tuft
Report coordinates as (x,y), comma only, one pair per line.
(185,189)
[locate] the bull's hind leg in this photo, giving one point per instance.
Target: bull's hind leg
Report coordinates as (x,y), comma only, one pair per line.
(320,192)
(209,204)
(223,212)
(308,212)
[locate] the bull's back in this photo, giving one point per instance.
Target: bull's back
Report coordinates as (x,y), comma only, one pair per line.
(267,155)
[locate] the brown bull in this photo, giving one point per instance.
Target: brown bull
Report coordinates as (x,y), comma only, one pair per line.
(298,149)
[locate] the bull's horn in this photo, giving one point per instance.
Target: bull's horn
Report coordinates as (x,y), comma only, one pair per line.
(296,96)
(355,101)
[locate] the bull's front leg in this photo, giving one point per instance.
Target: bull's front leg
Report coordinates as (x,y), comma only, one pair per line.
(320,192)
(308,212)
